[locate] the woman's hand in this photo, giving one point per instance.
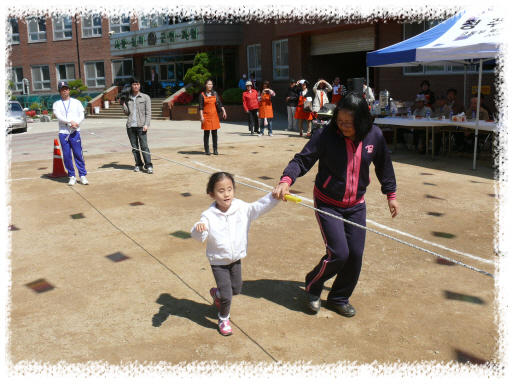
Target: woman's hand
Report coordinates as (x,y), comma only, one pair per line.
(280,191)
(201,227)
(202,119)
(224,113)
(393,207)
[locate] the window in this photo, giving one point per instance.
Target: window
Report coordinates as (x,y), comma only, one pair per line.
(65,72)
(41,77)
(62,27)
(17,78)
(36,29)
(280,59)
(167,72)
(122,70)
(91,25)
(153,21)
(120,24)
(95,74)
(14,33)
(254,61)
(413,29)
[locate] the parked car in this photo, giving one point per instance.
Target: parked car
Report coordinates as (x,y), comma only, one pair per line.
(15,118)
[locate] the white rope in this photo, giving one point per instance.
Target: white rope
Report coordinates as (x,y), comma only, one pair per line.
(309,206)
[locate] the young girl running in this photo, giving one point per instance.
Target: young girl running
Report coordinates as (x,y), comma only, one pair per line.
(226,227)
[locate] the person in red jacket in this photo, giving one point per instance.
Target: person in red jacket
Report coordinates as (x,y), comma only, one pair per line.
(251,106)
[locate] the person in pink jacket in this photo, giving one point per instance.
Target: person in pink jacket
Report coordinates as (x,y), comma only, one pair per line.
(251,106)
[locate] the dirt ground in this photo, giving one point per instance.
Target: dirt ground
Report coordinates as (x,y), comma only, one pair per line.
(154,305)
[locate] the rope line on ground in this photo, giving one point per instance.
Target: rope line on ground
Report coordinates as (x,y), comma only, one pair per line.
(316,209)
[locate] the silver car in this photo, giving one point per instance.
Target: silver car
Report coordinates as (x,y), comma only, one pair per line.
(15,117)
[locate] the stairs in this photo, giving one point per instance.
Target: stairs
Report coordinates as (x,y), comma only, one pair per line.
(116,111)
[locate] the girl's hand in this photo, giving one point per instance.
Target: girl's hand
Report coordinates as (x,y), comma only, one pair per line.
(280,191)
(393,207)
(202,119)
(201,227)
(224,114)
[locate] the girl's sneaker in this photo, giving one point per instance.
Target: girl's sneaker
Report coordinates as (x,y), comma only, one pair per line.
(225,328)
(216,301)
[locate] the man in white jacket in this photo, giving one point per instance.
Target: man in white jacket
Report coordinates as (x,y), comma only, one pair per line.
(70,113)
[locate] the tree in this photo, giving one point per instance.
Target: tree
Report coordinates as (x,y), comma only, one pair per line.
(76,87)
(206,65)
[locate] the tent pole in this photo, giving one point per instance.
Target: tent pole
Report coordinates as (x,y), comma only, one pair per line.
(465,84)
(477,114)
(367,81)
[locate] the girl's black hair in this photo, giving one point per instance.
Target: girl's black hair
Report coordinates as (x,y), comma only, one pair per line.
(357,106)
(204,90)
(266,82)
(425,82)
(218,176)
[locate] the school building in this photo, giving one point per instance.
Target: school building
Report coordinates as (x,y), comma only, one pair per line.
(103,51)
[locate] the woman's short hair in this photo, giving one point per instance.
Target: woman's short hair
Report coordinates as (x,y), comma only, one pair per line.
(357,106)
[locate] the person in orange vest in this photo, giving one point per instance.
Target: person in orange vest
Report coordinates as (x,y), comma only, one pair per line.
(208,101)
(265,111)
(251,106)
(305,95)
(338,91)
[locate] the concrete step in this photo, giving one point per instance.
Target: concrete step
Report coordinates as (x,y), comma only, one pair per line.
(113,116)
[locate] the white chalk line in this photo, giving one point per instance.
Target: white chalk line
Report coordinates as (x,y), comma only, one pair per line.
(486,261)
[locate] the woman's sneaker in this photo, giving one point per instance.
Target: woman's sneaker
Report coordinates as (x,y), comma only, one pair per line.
(225,328)
(213,294)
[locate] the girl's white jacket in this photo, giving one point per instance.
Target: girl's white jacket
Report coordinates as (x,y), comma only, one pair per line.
(228,232)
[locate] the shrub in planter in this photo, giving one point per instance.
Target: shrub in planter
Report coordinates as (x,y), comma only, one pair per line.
(30,113)
(183,99)
(233,96)
(35,106)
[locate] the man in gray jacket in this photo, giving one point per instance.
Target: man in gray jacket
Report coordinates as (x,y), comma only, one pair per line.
(138,109)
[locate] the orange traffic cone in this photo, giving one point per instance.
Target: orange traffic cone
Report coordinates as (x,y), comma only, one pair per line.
(58,164)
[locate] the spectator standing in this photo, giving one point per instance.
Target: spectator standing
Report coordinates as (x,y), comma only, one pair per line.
(70,113)
(251,106)
(208,102)
(138,109)
(265,107)
(154,83)
(456,106)
(243,80)
(305,95)
(367,91)
(429,95)
(292,99)
(321,88)
(338,91)
(253,81)
(420,111)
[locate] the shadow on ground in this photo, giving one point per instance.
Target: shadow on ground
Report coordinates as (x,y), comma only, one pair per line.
(114,165)
(204,315)
(288,294)
(191,152)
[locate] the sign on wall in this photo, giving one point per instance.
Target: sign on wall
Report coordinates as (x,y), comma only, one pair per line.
(486,89)
(152,38)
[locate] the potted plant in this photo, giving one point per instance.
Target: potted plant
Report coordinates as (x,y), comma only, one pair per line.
(36,107)
(106,101)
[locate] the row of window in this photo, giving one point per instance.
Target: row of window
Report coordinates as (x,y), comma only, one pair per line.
(279,60)
(94,74)
(91,26)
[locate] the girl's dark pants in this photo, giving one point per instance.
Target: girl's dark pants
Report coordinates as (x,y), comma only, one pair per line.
(345,245)
(229,283)
(206,139)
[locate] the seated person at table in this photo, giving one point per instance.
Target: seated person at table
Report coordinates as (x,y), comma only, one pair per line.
(421,110)
(483,113)
(466,143)
(442,109)
(482,105)
(456,106)
(429,95)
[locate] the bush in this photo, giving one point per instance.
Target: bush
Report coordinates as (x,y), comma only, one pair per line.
(183,99)
(30,113)
(233,96)
(35,106)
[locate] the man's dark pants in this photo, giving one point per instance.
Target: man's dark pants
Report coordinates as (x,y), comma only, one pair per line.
(138,137)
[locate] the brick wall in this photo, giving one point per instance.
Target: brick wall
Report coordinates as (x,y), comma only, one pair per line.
(52,52)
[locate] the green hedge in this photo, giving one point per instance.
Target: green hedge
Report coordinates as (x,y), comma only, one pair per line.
(233,96)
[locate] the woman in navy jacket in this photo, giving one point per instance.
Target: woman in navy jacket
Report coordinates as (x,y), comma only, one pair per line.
(344,149)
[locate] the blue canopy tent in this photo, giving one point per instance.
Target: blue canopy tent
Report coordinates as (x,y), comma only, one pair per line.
(470,37)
